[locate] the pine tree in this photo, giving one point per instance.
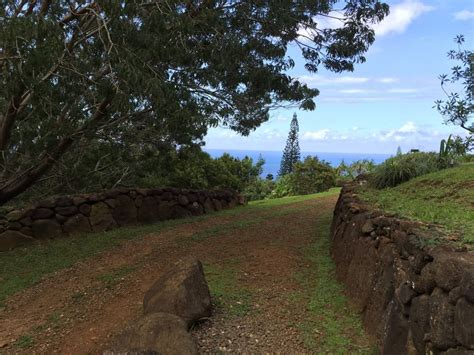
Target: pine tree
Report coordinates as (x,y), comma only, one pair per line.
(291,154)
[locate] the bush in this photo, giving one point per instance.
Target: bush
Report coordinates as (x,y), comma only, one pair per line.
(401,168)
(312,176)
(283,187)
(259,189)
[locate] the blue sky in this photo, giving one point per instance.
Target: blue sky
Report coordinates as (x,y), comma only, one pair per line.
(387,101)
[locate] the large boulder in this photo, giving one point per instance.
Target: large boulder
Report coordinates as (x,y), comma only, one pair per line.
(157,333)
(464,323)
(46,229)
(182,291)
(13,239)
(101,217)
(125,211)
(77,224)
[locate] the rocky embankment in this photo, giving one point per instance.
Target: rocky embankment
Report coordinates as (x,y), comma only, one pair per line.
(66,215)
(414,297)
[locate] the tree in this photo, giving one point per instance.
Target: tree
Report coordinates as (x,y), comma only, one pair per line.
(292,153)
(81,71)
(399,151)
(458,108)
(311,176)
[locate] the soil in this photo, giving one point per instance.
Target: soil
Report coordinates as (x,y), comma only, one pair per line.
(78,310)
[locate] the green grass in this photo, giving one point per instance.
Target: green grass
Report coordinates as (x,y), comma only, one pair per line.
(113,278)
(228,295)
(445,198)
(331,325)
(23,267)
(25,341)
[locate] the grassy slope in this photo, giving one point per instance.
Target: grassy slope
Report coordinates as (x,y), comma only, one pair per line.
(445,198)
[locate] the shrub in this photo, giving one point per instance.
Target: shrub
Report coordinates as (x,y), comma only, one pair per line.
(259,189)
(401,168)
(283,187)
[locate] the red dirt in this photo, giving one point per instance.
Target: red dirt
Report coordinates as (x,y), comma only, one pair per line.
(74,312)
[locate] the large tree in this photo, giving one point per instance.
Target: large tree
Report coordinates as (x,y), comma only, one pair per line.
(77,71)
(291,153)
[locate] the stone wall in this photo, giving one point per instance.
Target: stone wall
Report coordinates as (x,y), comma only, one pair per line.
(66,215)
(414,299)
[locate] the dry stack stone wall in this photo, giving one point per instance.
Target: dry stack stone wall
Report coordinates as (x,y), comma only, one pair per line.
(414,299)
(66,215)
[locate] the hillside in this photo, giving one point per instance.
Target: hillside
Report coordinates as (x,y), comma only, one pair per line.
(445,198)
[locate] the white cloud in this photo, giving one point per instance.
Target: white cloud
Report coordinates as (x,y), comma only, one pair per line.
(324,80)
(408,127)
(319,135)
(464,15)
(402,91)
(354,91)
(387,80)
(401,16)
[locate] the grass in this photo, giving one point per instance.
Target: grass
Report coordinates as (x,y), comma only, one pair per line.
(445,198)
(23,267)
(331,325)
(113,278)
(25,341)
(228,295)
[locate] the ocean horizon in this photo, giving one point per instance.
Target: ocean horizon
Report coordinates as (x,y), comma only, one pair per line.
(273,158)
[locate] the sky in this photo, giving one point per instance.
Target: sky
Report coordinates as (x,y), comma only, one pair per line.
(387,101)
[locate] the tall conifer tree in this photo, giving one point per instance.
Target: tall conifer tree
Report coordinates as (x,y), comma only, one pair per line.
(291,154)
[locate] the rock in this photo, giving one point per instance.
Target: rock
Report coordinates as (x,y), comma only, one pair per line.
(148,211)
(125,212)
(77,224)
(395,340)
(367,227)
(64,201)
(12,239)
(85,209)
(196,209)
(15,215)
(182,291)
(217,204)
(78,200)
(61,219)
(42,213)
(448,269)
(183,200)
(464,323)
(467,284)
(27,231)
(46,229)
(16,226)
(157,333)
(406,293)
(208,206)
(111,202)
(180,212)
(27,221)
(49,203)
(441,320)
(66,211)
(101,217)
(420,321)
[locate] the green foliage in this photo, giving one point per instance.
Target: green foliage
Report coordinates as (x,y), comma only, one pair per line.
(458,108)
(283,187)
(398,169)
(443,197)
(311,176)
(356,168)
(259,189)
(291,153)
(155,73)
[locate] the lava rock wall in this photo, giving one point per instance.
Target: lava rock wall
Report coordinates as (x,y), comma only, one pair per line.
(67,215)
(414,298)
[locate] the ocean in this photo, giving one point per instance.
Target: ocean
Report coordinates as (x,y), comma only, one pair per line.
(273,158)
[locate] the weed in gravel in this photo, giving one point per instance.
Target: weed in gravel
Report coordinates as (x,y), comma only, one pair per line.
(232,298)
(25,341)
(113,278)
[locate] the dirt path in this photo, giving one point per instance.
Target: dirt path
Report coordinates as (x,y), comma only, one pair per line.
(265,264)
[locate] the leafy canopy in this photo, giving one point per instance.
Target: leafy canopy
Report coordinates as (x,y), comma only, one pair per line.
(79,71)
